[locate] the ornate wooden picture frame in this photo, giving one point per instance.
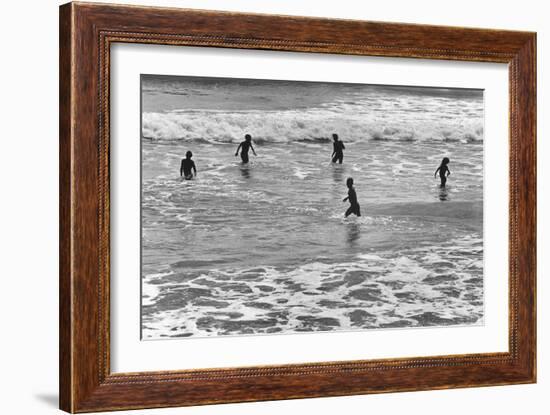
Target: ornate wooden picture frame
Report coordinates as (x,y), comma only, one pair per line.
(87,32)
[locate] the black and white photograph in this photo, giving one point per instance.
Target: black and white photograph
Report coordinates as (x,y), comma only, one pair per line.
(284,207)
(275,207)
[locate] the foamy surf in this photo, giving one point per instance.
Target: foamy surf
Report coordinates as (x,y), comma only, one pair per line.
(264,248)
(418,287)
(313,127)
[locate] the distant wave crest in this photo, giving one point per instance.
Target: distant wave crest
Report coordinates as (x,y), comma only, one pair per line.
(290,126)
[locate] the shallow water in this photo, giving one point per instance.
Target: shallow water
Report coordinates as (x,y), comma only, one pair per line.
(264,248)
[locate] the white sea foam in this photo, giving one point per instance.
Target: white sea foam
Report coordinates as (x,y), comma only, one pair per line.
(265,248)
(311,125)
(372,291)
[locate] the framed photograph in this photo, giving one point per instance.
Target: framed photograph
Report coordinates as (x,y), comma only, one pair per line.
(260,207)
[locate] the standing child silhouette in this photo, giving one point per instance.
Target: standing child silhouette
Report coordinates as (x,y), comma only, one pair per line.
(444,171)
(338,150)
(187,165)
(244,147)
(352,197)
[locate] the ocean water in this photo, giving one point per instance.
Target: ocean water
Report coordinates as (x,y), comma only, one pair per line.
(264,248)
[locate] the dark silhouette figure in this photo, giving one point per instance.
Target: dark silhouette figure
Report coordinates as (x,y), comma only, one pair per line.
(338,151)
(244,147)
(444,171)
(187,165)
(352,197)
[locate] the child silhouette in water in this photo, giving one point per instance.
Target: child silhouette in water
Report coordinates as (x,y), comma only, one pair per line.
(443,171)
(186,165)
(244,147)
(337,152)
(352,197)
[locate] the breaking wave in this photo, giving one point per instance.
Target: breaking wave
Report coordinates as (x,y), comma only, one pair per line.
(313,125)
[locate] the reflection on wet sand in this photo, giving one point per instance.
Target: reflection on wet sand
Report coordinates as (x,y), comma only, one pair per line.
(338,173)
(353,233)
(245,171)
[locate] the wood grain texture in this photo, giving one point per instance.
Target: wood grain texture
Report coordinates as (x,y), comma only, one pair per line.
(86,33)
(65,247)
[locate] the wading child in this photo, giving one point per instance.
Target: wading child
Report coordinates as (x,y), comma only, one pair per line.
(338,150)
(244,147)
(444,171)
(187,165)
(352,197)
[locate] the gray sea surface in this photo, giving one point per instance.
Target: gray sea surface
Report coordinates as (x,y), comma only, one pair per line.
(264,247)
